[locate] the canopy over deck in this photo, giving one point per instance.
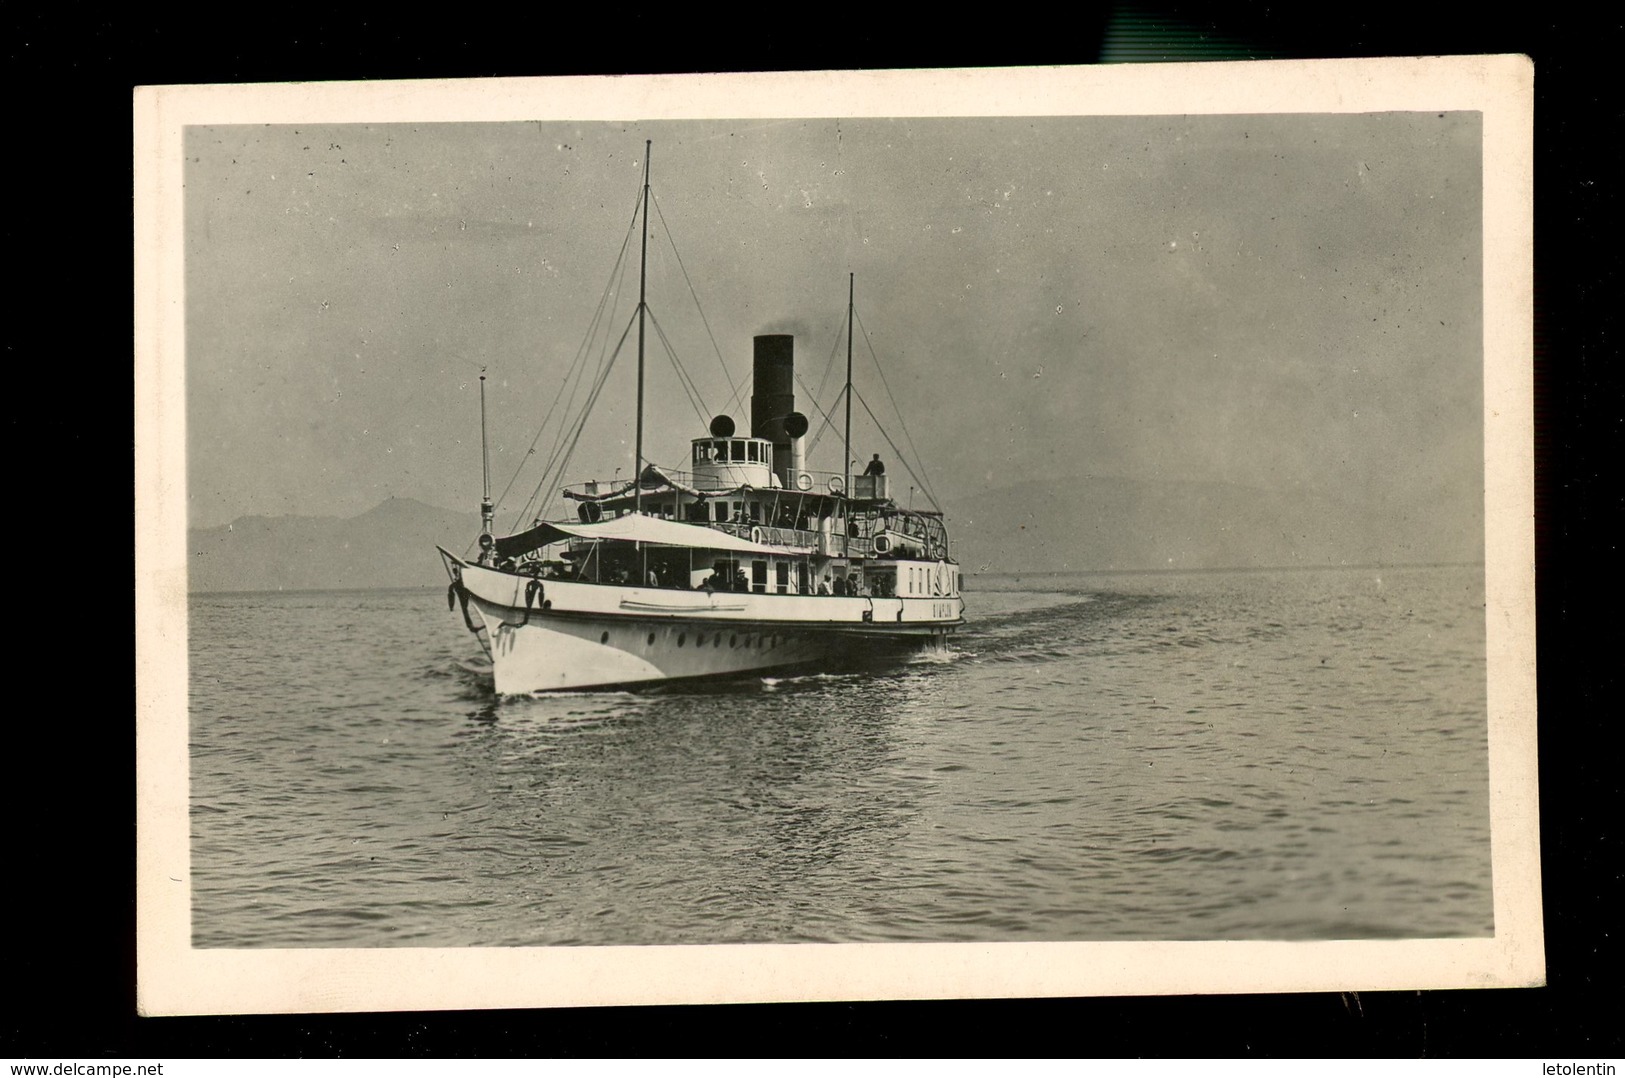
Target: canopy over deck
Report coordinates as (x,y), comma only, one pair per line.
(636,529)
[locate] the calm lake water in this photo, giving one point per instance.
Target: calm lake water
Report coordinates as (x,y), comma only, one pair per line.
(1253,755)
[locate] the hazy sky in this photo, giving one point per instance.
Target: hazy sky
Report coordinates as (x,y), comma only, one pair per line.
(1274,301)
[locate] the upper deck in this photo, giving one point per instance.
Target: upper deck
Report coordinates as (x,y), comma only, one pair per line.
(816,517)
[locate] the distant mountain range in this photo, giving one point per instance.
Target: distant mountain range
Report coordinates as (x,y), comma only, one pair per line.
(389,546)
(1080,523)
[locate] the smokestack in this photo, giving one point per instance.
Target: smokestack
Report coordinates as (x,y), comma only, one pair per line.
(773,395)
(773,391)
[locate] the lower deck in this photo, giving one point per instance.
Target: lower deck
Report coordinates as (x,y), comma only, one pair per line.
(520,592)
(550,635)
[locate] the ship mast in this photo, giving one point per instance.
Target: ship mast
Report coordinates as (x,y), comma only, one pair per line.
(643,280)
(487,512)
(846,456)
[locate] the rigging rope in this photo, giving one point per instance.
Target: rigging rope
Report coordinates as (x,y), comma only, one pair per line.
(568,435)
(705,321)
(618,286)
(573,374)
(695,399)
(581,423)
(829,364)
(828,422)
(570,382)
(900,420)
(930,497)
(563,443)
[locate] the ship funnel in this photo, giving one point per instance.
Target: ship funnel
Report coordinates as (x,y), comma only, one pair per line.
(773,392)
(773,395)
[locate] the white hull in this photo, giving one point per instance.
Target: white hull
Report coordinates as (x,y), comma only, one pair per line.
(579,636)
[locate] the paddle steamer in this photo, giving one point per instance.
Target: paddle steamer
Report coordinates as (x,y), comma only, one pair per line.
(742,561)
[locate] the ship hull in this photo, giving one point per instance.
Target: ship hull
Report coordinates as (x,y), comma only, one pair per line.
(548,636)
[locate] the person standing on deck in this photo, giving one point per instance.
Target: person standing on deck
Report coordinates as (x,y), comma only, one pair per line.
(876,466)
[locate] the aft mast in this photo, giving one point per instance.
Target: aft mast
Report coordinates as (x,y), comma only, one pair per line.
(846,456)
(643,306)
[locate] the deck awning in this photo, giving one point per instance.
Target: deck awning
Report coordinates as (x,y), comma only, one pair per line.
(637,529)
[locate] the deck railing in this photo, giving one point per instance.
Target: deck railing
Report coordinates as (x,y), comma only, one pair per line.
(804,538)
(817,483)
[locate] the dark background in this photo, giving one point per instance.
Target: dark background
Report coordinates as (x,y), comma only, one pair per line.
(71,828)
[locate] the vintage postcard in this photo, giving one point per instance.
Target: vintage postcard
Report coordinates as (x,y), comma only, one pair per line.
(835,536)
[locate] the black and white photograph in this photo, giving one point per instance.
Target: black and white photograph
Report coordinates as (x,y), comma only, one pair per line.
(794,537)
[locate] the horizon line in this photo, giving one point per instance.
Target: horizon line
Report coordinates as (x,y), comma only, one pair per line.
(967,576)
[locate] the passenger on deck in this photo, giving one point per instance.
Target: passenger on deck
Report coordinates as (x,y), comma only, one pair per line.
(852,585)
(840,585)
(654,579)
(823,586)
(876,466)
(741,581)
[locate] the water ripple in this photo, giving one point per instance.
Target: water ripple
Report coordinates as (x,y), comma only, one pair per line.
(1295,755)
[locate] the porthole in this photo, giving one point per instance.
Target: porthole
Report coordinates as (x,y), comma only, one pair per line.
(680,638)
(733,640)
(604,639)
(651,639)
(717,643)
